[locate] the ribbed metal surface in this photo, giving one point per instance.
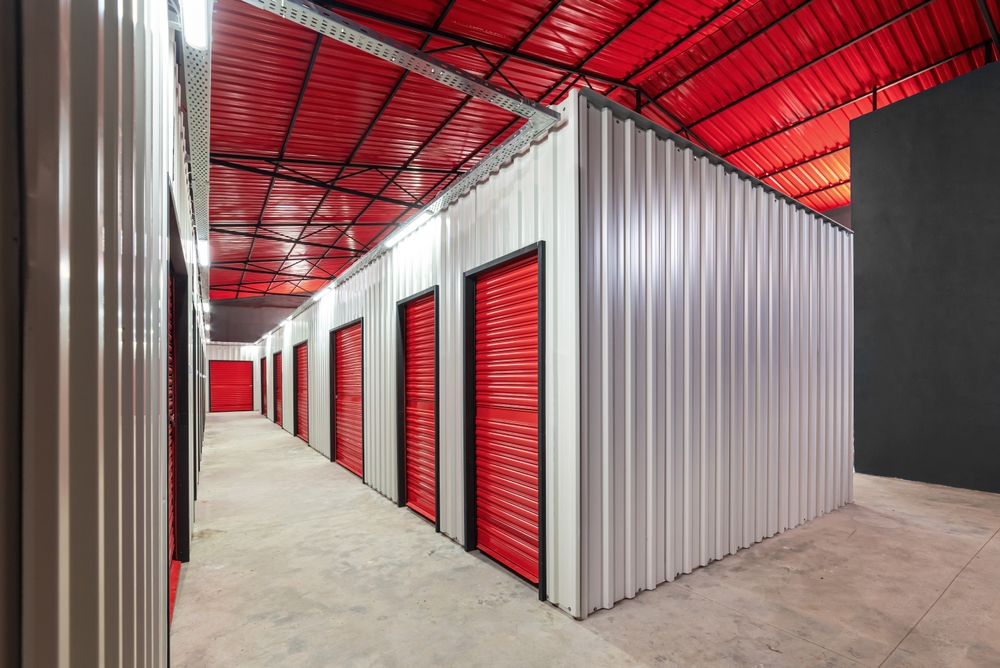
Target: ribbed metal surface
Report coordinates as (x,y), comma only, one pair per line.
(279,395)
(302,391)
(262,374)
(506,419)
(245,352)
(230,386)
(533,198)
(717,357)
(420,405)
(348,399)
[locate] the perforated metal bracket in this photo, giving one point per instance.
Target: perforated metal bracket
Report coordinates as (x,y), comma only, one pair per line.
(381,46)
(197,89)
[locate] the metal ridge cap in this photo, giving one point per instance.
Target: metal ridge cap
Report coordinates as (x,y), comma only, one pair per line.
(602,102)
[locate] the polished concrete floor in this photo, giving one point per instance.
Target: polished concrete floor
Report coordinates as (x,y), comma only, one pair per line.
(296,563)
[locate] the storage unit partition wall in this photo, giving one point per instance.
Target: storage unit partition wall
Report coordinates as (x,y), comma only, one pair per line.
(693,359)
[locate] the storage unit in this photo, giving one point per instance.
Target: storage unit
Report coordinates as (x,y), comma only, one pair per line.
(692,359)
(348,398)
(263,386)
(505,427)
(417,388)
(230,386)
(302,391)
(277,388)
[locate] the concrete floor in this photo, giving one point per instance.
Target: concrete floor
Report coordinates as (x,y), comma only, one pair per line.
(296,563)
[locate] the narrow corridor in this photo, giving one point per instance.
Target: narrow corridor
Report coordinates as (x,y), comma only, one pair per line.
(296,563)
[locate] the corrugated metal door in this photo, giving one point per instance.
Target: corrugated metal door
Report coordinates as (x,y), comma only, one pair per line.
(348,399)
(277,388)
(419,405)
(230,385)
(506,415)
(173,564)
(263,386)
(302,391)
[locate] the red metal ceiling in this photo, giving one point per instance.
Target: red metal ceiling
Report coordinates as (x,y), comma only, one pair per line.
(769,84)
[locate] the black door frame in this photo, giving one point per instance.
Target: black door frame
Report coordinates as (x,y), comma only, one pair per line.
(469,391)
(333,394)
(263,386)
(401,401)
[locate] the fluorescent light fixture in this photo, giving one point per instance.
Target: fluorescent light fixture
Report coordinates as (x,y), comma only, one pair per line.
(194,15)
(408,228)
(203,258)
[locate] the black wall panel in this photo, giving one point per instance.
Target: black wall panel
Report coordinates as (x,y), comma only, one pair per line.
(925,176)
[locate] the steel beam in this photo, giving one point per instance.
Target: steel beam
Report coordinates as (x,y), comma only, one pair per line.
(815,61)
(335,26)
(853,100)
(736,47)
(314,183)
(469,42)
(990,25)
(330,163)
(284,240)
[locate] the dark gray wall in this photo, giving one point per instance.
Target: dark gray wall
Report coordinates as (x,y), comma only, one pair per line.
(926,213)
(10,340)
(246,320)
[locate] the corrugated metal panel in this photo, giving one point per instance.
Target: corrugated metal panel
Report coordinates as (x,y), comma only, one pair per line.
(230,386)
(717,360)
(506,415)
(348,398)
(262,374)
(420,405)
(302,391)
(95,413)
(279,382)
(533,198)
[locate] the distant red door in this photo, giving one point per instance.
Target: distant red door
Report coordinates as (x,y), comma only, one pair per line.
(277,388)
(230,386)
(506,420)
(347,399)
(263,386)
(419,405)
(302,391)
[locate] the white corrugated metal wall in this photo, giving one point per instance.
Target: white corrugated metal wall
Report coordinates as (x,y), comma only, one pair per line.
(99,127)
(237,352)
(717,342)
(531,199)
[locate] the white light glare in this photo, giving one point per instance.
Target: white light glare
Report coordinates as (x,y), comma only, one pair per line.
(194,14)
(409,228)
(203,258)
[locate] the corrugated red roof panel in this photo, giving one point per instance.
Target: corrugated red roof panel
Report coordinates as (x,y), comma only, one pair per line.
(769,84)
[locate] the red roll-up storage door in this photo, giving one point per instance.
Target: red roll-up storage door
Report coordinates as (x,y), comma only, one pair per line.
(263,386)
(173,567)
(277,388)
(506,421)
(230,385)
(302,391)
(419,404)
(347,398)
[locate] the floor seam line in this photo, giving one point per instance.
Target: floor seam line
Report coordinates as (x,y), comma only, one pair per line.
(940,596)
(760,621)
